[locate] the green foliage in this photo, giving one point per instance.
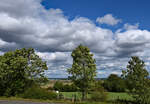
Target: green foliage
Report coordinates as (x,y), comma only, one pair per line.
(98,93)
(36,92)
(59,86)
(114,84)
(137,79)
(99,96)
(83,69)
(50,88)
(69,88)
(18,70)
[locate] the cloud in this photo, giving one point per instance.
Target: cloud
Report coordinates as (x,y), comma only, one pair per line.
(1,53)
(57,62)
(128,26)
(26,23)
(130,42)
(52,31)
(108,19)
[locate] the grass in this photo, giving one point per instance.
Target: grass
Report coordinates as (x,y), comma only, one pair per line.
(34,100)
(111,95)
(70,94)
(94,103)
(123,96)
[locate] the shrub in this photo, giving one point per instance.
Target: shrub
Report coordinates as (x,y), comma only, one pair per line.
(98,93)
(50,88)
(99,96)
(38,93)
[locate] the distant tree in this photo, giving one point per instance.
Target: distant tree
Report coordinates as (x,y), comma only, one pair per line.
(83,69)
(114,83)
(137,77)
(19,69)
(58,86)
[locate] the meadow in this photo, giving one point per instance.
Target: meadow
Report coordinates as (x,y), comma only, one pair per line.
(112,96)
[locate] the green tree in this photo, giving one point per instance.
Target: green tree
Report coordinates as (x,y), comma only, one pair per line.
(111,83)
(19,69)
(137,78)
(83,69)
(58,86)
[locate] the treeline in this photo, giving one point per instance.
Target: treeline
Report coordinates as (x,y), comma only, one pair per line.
(60,86)
(113,83)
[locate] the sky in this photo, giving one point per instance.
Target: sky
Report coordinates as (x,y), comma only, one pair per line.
(114,30)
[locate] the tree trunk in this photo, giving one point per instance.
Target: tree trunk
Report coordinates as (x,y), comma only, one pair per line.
(84,95)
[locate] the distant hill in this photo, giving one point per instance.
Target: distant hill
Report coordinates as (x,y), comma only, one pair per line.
(67,78)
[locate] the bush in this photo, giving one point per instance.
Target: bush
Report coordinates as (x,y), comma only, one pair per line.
(99,96)
(38,93)
(98,93)
(50,88)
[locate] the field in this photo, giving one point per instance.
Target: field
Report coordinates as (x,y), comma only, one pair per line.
(51,83)
(111,95)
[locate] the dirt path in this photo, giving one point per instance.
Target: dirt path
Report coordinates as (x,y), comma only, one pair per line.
(22,102)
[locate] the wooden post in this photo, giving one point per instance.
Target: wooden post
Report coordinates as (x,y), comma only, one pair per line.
(72,98)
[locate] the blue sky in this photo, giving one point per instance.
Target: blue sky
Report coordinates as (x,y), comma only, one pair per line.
(114,30)
(130,11)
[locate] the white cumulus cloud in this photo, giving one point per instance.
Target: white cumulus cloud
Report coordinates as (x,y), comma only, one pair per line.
(108,19)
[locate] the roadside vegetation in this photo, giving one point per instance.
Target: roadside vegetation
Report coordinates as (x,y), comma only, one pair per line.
(22,77)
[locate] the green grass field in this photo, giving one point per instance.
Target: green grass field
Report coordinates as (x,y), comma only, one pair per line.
(111,95)
(123,96)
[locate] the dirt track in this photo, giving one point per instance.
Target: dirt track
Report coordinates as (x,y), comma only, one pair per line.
(22,102)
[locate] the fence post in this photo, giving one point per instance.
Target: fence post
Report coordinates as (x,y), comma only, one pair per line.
(72,98)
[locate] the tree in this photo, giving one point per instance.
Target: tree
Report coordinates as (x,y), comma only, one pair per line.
(83,69)
(58,86)
(111,83)
(137,78)
(19,69)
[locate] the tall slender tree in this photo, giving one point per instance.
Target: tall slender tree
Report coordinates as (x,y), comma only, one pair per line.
(83,69)
(136,76)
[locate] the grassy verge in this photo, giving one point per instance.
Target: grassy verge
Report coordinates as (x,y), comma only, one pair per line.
(111,97)
(34,100)
(48,101)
